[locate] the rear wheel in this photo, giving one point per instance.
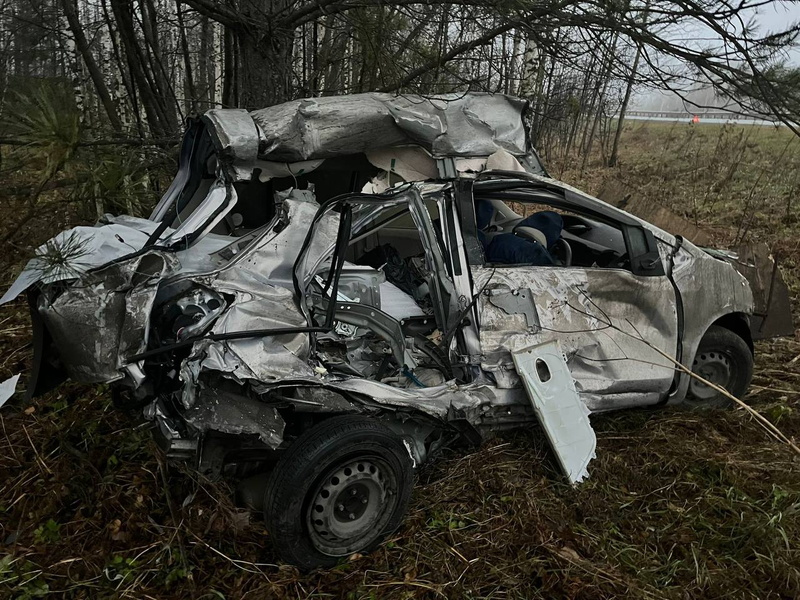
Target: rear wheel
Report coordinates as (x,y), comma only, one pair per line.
(341,488)
(723,358)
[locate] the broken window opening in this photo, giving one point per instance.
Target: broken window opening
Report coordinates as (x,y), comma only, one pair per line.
(204,201)
(537,228)
(381,285)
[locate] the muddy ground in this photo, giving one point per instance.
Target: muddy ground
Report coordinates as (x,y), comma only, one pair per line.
(679,504)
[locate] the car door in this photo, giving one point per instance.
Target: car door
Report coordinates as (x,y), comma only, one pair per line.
(613,323)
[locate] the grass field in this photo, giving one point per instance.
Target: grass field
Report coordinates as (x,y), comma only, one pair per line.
(679,504)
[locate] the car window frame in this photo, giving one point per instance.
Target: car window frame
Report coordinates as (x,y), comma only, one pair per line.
(647,262)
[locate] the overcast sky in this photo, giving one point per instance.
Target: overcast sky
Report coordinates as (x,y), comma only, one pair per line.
(777,16)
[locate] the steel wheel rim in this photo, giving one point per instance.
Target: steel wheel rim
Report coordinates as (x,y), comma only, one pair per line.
(714,366)
(351,505)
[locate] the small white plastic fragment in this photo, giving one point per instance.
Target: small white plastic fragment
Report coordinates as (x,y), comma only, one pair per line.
(564,417)
(7,388)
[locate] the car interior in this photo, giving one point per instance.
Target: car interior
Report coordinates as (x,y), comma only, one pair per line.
(391,243)
(385,268)
(567,239)
(333,177)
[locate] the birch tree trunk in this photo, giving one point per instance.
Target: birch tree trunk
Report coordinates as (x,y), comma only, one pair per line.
(82,45)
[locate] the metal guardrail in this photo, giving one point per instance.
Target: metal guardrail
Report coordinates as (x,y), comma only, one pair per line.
(678,115)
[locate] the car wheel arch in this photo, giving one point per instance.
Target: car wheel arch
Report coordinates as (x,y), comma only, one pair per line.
(736,321)
(725,358)
(739,324)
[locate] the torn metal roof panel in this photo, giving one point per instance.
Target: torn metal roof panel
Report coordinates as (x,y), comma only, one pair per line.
(475,124)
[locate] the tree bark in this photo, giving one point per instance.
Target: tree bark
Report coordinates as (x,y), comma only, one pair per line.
(612,159)
(204,81)
(71,12)
(229,71)
(191,92)
(124,71)
(158,74)
(265,68)
(156,118)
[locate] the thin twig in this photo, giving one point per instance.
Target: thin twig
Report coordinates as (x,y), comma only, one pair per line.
(35,451)
(769,389)
(236,562)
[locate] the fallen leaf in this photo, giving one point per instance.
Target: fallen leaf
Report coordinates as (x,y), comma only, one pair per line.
(569,553)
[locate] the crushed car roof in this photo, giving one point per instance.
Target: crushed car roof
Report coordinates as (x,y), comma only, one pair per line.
(474,124)
(400,131)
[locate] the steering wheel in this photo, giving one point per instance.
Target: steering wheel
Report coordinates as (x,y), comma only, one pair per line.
(562,251)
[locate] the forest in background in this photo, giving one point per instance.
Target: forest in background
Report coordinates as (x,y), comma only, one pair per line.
(94,93)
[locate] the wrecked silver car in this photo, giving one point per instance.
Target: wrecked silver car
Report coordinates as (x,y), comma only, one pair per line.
(333,289)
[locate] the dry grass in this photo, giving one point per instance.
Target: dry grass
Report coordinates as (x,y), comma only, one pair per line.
(737,182)
(679,504)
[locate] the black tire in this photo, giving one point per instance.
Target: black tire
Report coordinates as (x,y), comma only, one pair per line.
(337,464)
(723,358)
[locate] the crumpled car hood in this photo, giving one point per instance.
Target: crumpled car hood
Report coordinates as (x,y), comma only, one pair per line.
(75,252)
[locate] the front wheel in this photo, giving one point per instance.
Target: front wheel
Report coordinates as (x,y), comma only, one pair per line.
(725,359)
(340,488)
